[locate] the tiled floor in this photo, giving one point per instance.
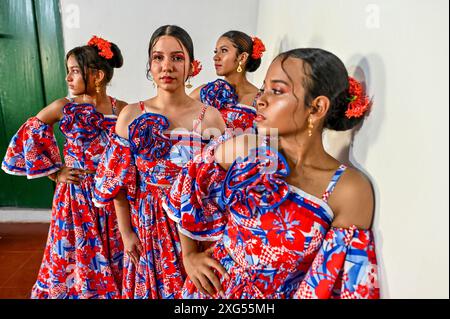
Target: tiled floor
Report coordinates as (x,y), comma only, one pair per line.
(21,251)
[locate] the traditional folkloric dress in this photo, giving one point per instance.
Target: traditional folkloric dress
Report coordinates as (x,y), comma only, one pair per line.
(274,239)
(145,165)
(221,95)
(84,252)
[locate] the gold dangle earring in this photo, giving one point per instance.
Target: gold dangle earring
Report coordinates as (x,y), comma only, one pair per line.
(97,87)
(239,69)
(310,125)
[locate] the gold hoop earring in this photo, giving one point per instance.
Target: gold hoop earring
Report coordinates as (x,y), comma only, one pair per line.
(189,85)
(239,69)
(310,126)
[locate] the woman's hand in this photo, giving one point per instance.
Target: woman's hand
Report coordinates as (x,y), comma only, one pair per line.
(200,268)
(132,246)
(69,175)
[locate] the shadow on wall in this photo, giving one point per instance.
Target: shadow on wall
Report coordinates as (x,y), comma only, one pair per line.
(370,71)
(282,44)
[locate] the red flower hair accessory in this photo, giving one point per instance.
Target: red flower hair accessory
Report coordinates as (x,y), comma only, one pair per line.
(258,48)
(196,67)
(103,46)
(358,102)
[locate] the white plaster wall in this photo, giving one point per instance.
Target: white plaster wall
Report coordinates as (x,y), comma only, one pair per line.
(130,25)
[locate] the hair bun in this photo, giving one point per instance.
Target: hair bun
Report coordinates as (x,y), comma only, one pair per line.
(254,47)
(117,60)
(253,64)
(107,50)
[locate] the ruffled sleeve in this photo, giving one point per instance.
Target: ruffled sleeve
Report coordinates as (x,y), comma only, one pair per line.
(222,96)
(115,171)
(344,268)
(256,183)
(219,94)
(33,151)
(194,201)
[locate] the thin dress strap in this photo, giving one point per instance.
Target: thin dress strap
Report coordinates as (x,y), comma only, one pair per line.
(114,105)
(142,106)
(337,175)
(200,118)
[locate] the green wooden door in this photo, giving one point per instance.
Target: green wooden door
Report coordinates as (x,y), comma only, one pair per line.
(31,76)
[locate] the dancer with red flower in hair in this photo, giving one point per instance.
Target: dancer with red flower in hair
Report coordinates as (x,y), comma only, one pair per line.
(154,139)
(83,255)
(236,53)
(290,221)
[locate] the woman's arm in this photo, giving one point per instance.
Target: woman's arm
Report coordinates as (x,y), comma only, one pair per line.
(353,201)
(200,267)
(132,245)
(52,113)
(236,147)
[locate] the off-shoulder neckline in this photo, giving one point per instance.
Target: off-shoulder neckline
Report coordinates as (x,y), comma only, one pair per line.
(164,133)
(72,102)
(296,189)
(236,95)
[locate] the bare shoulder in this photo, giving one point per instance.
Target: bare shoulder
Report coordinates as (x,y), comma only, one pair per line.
(237,147)
(213,119)
(195,94)
(353,200)
(120,105)
(58,104)
(127,115)
(53,112)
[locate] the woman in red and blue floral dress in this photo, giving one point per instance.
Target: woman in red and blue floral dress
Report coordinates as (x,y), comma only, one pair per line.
(236,53)
(288,223)
(154,139)
(83,255)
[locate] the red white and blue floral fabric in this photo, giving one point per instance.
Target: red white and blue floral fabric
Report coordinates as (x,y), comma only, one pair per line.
(274,240)
(84,253)
(145,165)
